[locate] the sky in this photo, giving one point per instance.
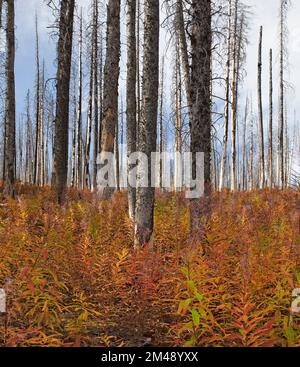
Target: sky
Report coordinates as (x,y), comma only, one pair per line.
(264,13)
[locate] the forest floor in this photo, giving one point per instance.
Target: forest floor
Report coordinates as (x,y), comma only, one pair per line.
(72,277)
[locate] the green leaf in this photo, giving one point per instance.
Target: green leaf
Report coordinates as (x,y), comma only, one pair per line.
(199,297)
(195,317)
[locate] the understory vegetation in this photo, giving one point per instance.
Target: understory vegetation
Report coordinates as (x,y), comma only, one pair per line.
(73,278)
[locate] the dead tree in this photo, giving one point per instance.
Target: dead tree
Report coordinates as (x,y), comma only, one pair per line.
(201,46)
(148,127)
(270,145)
(227,101)
(110,89)
(131,97)
(260,115)
(61,138)
(10,103)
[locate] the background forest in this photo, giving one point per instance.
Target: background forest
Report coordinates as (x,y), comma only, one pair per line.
(79,259)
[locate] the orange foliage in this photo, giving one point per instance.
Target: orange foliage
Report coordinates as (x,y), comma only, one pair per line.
(73,279)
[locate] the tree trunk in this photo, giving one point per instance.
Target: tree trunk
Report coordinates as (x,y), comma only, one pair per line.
(178,119)
(79,113)
(42,130)
(61,139)
(96,94)
(110,89)
(10,103)
(201,44)
(148,126)
(161,122)
(270,153)
(138,77)
(20,174)
(180,29)
(89,122)
(74,134)
(37,110)
(234,101)
(244,170)
(227,102)
(281,101)
(260,116)
(28,176)
(131,98)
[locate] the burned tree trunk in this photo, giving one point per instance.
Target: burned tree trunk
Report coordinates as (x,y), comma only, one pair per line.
(37,107)
(148,126)
(96,94)
(201,43)
(110,89)
(180,30)
(260,115)
(79,112)
(61,138)
(131,118)
(270,147)
(10,104)
(226,115)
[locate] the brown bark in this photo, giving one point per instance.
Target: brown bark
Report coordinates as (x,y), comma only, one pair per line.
(110,88)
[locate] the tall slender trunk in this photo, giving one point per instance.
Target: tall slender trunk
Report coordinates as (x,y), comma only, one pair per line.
(131,97)
(10,103)
(148,127)
(138,77)
(244,171)
(110,91)
(281,102)
(96,95)
(74,134)
(20,174)
(37,110)
(234,100)
(79,112)
(180,29)
(201,44)
(87,152)
(28,176)
(100,91)
(161,122)
(260,115)
(251,158)
(270,146)
(178,119)
(61,138)
(227,102)
(117,155)
(42,130)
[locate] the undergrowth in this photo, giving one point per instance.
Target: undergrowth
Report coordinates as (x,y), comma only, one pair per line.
(72,277)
